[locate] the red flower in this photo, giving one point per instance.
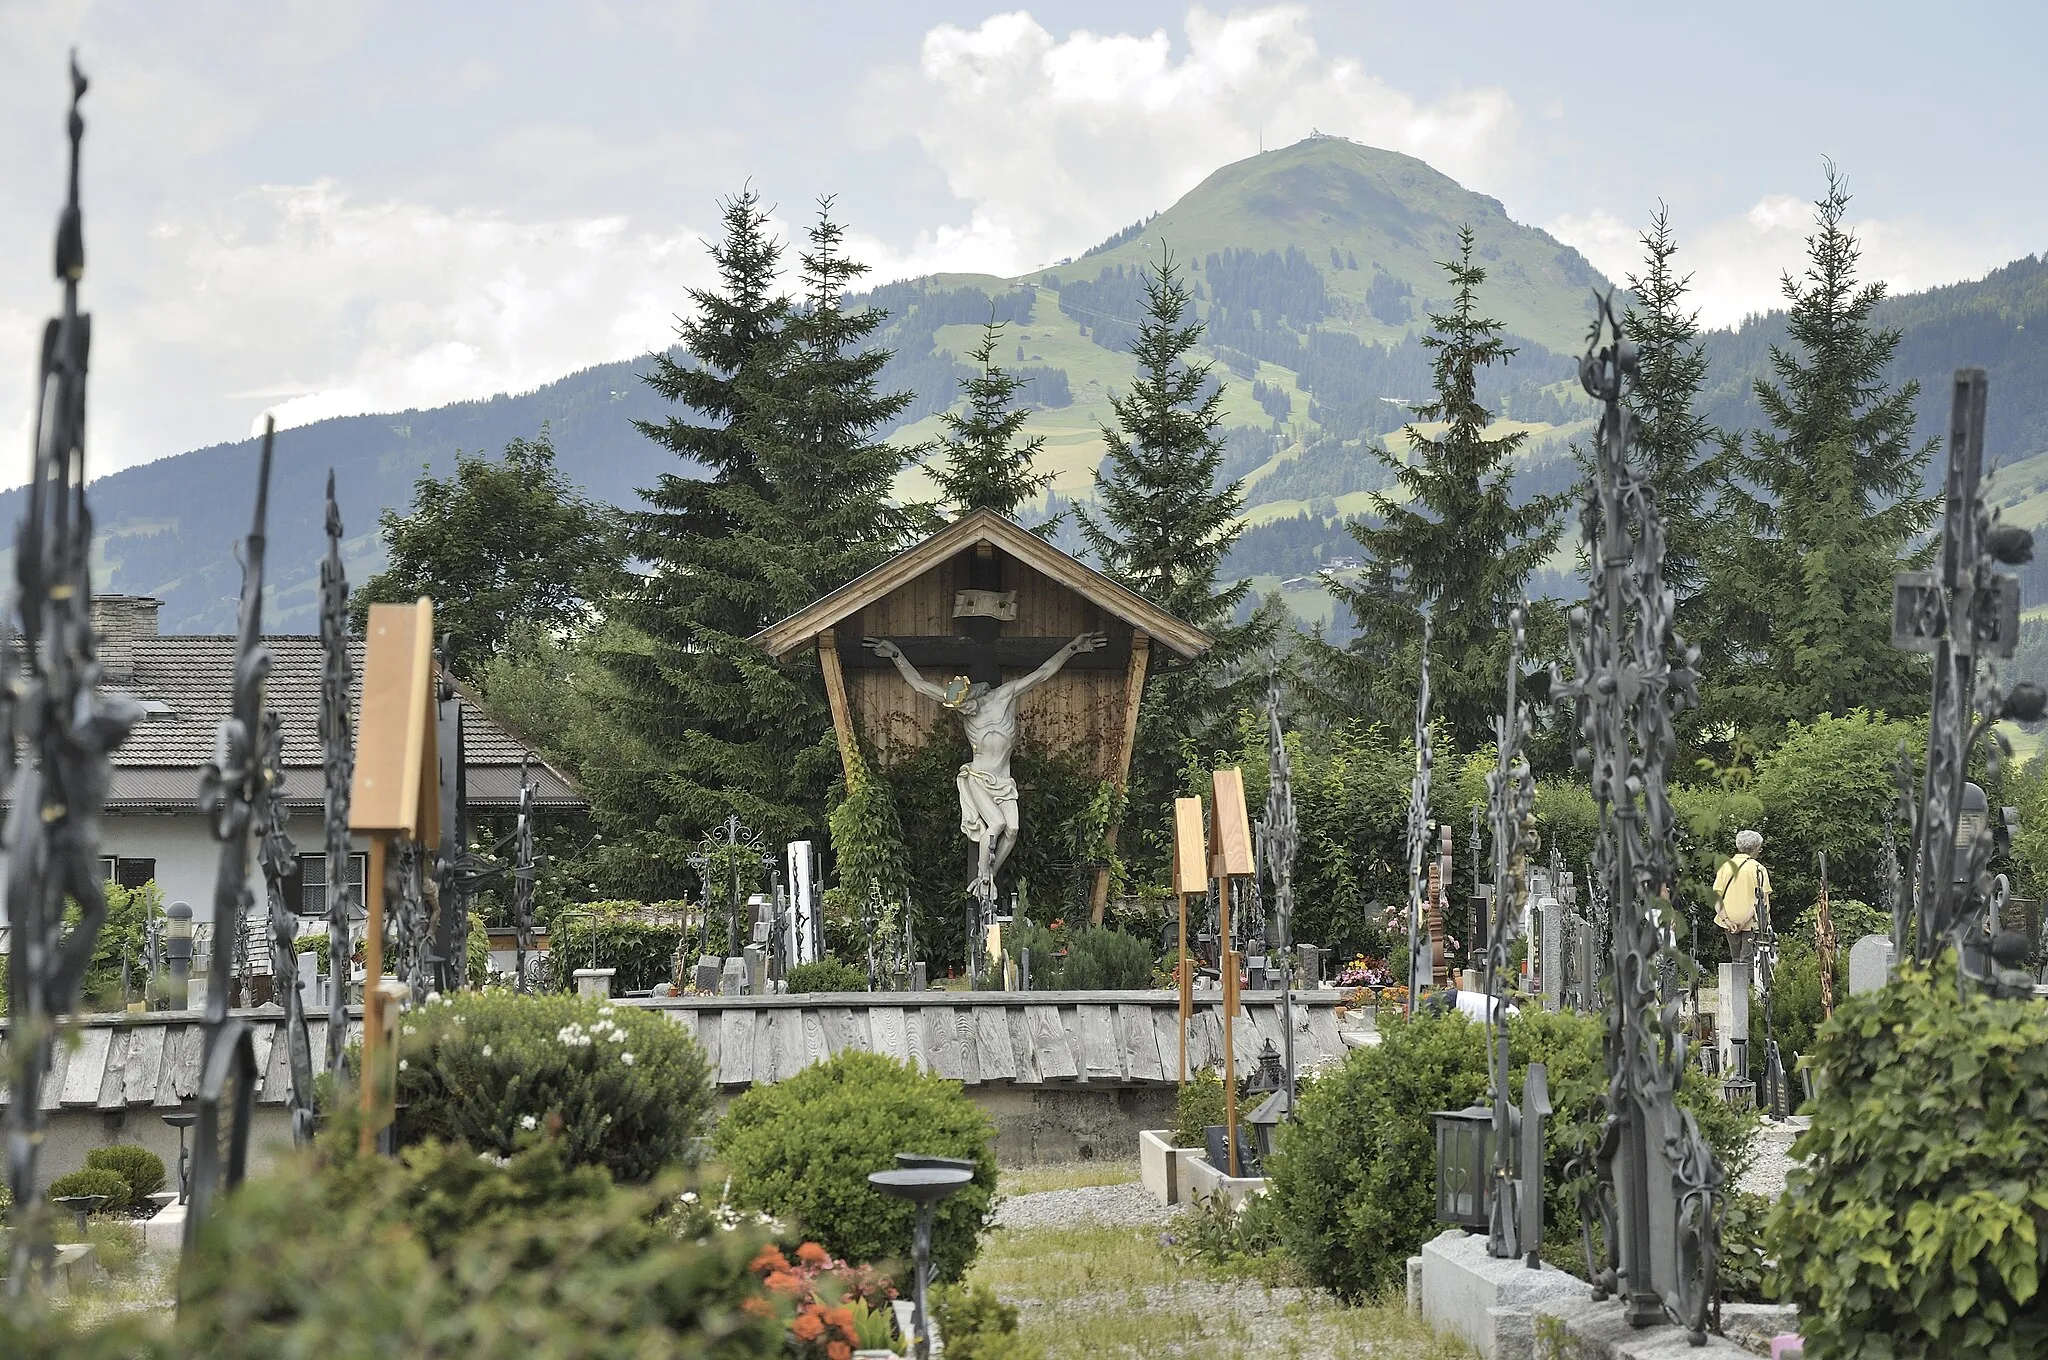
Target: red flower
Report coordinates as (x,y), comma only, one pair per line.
(769,1258)
(811,1254)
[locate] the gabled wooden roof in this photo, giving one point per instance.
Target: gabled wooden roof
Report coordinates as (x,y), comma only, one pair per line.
(983,526)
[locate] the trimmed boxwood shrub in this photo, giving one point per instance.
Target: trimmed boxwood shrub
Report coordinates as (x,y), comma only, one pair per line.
(629,1090)
(827,975)
(1198,1107)
(802,1149)
(1918,1224)
(141,1168)
(1355,1173)
(92,1181)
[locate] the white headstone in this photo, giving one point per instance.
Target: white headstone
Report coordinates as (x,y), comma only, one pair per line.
(595,983)
(1550,952)
(1731,1020)
(803,920)
(1870,963)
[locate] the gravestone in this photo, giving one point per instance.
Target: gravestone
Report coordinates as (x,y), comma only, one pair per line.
(1309,965)
(917,977)
(1255,974)
(757,970)
(311,997)
(1870,963)
(732,979)
(595,983)
(1550,953)
(1731,1019)
(709,969)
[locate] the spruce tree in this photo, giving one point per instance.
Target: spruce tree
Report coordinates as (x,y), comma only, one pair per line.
(1163,530)
(1677,447)
(795,503)
(1456,544)
(1823,508)
(983,462)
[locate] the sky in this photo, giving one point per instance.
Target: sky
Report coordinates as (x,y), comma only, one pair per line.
(325,207)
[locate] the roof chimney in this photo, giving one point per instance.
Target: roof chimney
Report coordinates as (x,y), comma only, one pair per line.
(120,620)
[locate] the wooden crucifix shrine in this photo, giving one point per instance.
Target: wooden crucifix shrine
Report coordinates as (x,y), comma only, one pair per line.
(395,797)
(983,611)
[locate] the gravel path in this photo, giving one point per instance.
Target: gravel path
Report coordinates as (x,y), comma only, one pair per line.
(1129,1205)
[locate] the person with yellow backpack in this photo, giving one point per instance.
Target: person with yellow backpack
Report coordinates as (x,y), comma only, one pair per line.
(1742,892)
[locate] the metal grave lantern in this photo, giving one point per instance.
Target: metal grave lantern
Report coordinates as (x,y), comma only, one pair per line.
(1464,1167)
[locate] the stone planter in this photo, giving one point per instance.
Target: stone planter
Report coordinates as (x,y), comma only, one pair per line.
(1159,1164)
(1203,1180)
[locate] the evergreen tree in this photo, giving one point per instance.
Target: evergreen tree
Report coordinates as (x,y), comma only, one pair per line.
(1163,530)
(794,505)
(1822,509)
(507,548)
(984,465)
(1456,544)
(1675,445)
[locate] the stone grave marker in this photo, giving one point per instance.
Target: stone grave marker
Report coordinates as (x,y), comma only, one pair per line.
(732,980)
(1550,953)
(757,970)
(1731,1019)
(709,969)
(1870,963)
(1309,965)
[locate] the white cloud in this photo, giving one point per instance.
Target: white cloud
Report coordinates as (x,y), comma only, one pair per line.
(1054,143)
(306,298)
(1738,262)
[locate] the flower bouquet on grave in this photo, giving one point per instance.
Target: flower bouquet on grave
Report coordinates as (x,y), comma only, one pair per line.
(839,1307)
(1364,971)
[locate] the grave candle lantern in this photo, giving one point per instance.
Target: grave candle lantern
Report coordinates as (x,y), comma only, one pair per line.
(1464,1166)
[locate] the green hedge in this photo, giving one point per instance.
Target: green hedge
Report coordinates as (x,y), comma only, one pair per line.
(827,975)
(802,1149)
(1355,1174)
(142,1169)
(93,1181)
(628,1090)
(1917,1225)
(638,939)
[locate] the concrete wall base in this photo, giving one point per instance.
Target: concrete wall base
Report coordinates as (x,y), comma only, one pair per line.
(1204,1180)
(1159,1164)
(1483,1300)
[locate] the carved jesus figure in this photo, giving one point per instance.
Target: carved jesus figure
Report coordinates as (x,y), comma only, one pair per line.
(988,795)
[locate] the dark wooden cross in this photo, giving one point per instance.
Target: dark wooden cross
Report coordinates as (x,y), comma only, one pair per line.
(976,647)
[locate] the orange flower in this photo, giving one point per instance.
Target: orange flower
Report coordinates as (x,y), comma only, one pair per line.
(782,1282)
(769,1258)
(842,1318)
(839,1350)
(811,1254)
(808,1326)
(758,1306)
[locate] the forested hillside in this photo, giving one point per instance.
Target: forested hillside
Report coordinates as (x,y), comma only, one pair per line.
(1314,268)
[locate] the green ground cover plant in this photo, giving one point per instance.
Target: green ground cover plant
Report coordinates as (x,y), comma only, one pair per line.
(802,1149)
(1918,1225)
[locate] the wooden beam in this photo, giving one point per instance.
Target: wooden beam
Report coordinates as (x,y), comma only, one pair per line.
(1134,695)
(842,712)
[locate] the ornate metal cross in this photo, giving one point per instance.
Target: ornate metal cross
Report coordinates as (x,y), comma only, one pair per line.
(1418,827)
(1511,805)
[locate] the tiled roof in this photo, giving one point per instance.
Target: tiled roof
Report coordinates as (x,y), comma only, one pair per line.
(184,681)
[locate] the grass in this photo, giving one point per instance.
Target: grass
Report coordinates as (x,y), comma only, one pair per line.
(1032,1180)
(1095,1291)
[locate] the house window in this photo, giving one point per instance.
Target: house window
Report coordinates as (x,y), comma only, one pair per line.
(312,878)
(125,872)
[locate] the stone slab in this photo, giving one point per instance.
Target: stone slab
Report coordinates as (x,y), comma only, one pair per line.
(1484,1301)
(1731,1020)
(1870,963)
(1158,1168)
(1600,1331)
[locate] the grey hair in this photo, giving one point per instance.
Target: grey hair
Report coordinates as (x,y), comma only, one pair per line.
(1749,842)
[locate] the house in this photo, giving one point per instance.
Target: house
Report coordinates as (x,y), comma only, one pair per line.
(153,829)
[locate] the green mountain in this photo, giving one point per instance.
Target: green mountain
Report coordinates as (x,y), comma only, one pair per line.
(1314,268)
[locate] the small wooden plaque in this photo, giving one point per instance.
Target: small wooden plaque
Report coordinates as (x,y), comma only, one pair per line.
(1190,848)
(397,784)
(1230,839)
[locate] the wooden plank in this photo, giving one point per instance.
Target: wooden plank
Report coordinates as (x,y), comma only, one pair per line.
(684,1020)
(1246,1039)
(1140,1044)
(145,1062)
(1051,1050)
(710,1029)
(277,1075)
(1104,1061)
(1268,1027)
(764,1048)
(1326,1046)
(1166,1035)
(735,1047)
(60,1068)
(87,1067)
(1205,1039)
(178,1078)
(1230,830)
(1024,1065)
(815,1049)
(942,1042)
(113,1078)
(835,695)
(995,1052)
(841,1033)
(787,1027)
(262,1038)
(890,1041)
(915,1050)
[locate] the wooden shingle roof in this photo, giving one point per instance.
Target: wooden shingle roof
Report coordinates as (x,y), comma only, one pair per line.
(983,526)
